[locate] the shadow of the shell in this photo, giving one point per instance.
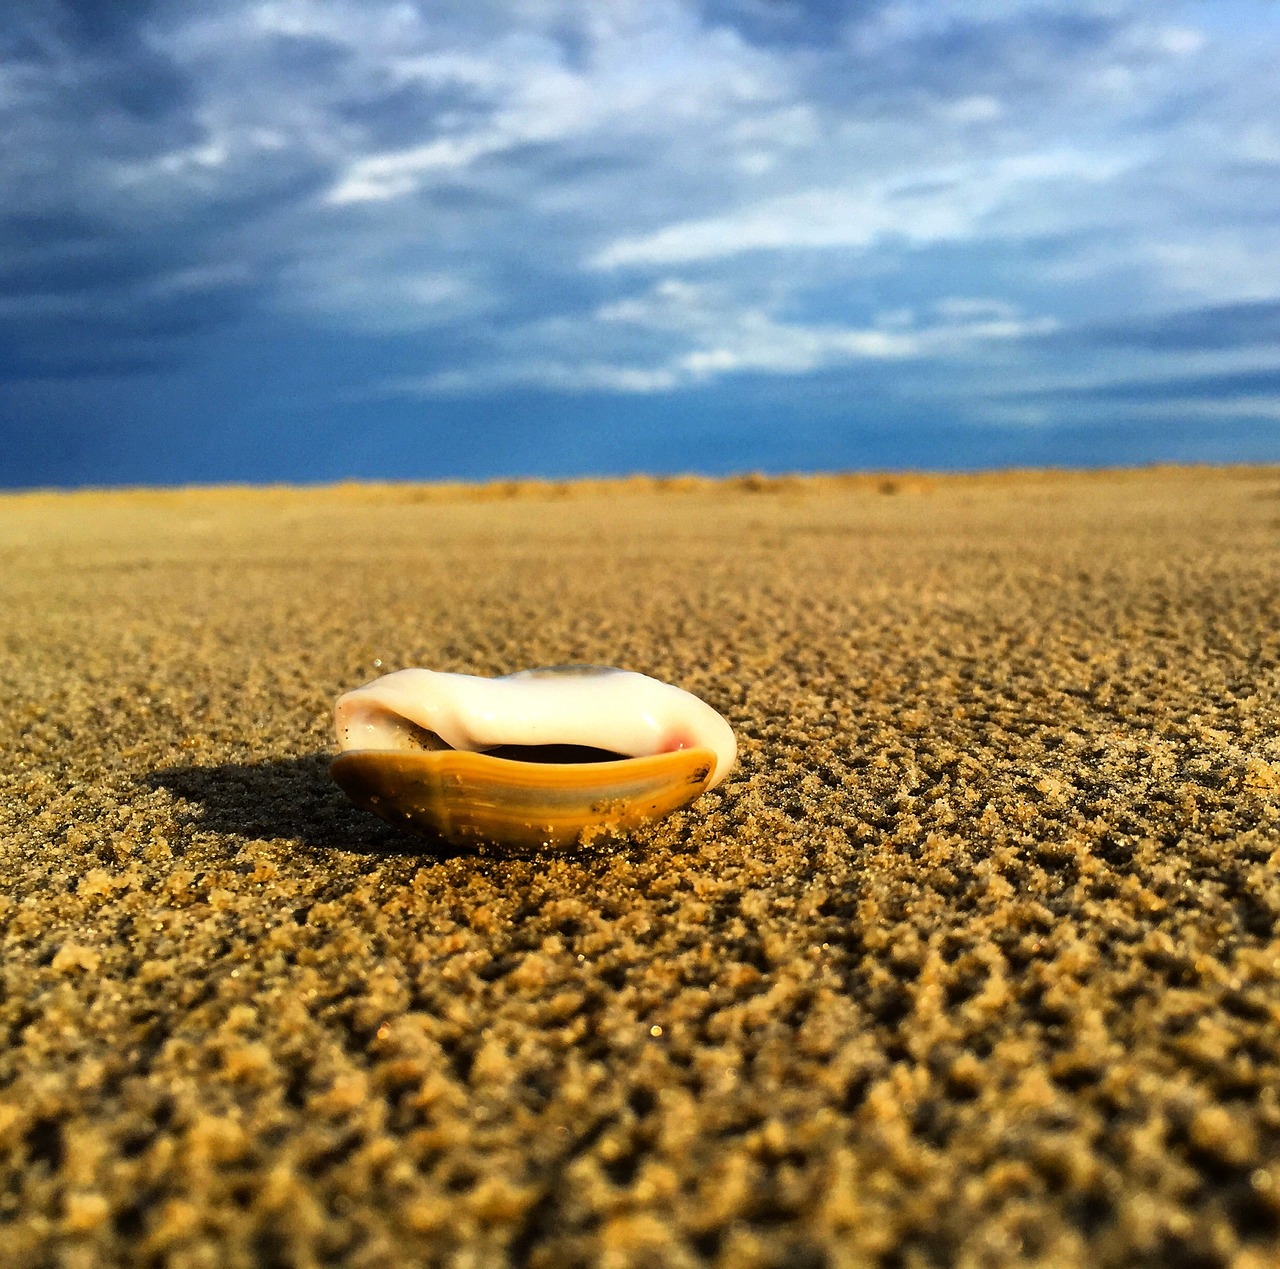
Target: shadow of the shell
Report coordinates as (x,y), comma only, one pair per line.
(289,798)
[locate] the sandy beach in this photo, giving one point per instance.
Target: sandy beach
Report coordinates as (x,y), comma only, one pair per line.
(973,961)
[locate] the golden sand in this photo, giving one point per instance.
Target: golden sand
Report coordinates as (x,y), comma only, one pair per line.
(973,961)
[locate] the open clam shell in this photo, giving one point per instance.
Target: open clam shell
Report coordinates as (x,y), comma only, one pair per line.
(542,758)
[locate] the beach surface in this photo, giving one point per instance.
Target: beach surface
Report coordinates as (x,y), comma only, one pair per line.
(973,961)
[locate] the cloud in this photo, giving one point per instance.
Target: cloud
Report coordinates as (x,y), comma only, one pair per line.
(645,197)
(709,334)
(1215,388)
(939,205)
(1247,324)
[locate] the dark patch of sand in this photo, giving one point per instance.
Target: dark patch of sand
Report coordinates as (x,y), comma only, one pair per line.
(973,961)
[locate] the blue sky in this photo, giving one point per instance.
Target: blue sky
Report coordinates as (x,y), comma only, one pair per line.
(313,239)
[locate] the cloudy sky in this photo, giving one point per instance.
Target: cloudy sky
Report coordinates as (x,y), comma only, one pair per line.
(309,239)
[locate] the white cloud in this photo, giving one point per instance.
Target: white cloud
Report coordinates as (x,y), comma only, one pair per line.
(1161,406)
(960,307)
(383,296)
(981,108)
(382,176)
(709,334)
(944,204)
(541,373)
(653,70)
(1263,407)
(1218,266)
(1181,41)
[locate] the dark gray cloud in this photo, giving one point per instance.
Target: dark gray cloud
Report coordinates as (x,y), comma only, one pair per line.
(95,25)
(1209,328)
(1024,52)
(1225,388)
(96,55)
(114,237)
(818,24)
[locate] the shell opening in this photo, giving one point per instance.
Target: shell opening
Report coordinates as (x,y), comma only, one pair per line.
(555,753)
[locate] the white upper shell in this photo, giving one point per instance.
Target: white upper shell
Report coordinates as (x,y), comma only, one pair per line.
(618,710)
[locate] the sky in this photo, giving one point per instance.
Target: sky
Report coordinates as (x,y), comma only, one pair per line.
(310,240)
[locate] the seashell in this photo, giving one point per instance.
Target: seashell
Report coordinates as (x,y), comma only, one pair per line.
(541,758)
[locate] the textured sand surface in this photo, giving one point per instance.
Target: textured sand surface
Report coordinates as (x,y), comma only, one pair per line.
(973,961)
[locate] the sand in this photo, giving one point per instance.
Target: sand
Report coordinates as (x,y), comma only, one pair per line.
(973,961)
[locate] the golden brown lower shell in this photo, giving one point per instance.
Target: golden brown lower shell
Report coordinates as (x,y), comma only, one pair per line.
(470,798)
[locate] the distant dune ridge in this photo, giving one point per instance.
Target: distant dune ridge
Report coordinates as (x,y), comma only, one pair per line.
(973,960)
